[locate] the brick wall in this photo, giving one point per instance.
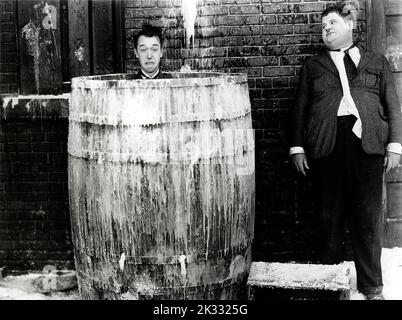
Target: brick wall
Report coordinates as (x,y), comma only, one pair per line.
(34,218)
(268,40)
(8,45)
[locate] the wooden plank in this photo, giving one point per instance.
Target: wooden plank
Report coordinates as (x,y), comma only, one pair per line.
(65,66)
(118,37)
(102,46)
(40,47)
(28,82)
(376,32)
(398,85)
(79,41)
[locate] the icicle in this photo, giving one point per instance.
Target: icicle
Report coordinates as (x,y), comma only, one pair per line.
(189,10)
(122,260)
(182,260)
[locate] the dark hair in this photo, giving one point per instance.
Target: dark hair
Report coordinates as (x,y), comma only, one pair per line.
(339,8)
(148,31)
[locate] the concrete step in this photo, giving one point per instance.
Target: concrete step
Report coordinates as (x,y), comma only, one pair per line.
(293,281)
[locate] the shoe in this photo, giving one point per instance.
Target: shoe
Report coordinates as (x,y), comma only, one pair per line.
(374,296)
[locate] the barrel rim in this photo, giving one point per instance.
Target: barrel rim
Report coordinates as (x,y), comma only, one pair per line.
(211,79)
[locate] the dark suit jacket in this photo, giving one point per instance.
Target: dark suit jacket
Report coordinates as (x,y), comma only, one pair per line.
(314,115)
(160,75)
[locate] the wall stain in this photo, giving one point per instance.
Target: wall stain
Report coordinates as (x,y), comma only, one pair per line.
(31,33)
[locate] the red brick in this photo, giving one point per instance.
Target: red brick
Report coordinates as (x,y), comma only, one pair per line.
(8,37)
(283,29)
(20,205)
(269,19)
(235,20)
(212,32)
(311,29)
(251,73)
(228,41)
(133,4)
(213,10)
(280,82)
(263,61)
(57,176)
(18,186)
(309,7)
(8,58)
(276,9)
(4,88)
(277,50)
(10,6)
(251,84)
(314,18)
(6,17)
(250,9)
(164,3)
(243,51)
(292,60)
(215,2)
(18,147)
(278,93)
(243,31)
(205,21)
(30,136)
(146,13)
(235,1)
(8,27)
(264,83)
(149,3)
(46,147)
(31,177)
(133,23)
(278,71)
(7,68)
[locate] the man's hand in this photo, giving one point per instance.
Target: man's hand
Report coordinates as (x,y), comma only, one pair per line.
(299,161)
(391,160)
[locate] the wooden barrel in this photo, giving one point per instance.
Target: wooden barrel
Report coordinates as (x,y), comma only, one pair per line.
(161,186)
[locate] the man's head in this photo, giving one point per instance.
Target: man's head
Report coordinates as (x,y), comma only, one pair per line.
(148,48)
(337,27)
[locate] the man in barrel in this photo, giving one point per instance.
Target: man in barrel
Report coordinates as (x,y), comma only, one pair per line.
(148,48)
(347,132)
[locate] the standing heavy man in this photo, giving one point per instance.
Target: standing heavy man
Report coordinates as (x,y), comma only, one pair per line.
(347,127)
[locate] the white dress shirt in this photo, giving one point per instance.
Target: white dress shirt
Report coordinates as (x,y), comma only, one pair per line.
(347,106)
(145,75)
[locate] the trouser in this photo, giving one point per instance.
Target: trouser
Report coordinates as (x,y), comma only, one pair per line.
(348,185)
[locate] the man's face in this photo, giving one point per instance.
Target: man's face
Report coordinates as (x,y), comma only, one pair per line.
(336,31)
(149,53)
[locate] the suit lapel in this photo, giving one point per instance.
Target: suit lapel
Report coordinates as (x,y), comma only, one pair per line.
(325,59)
(365,58)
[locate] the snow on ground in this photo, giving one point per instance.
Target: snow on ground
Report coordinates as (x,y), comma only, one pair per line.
(20,287)
(391,261)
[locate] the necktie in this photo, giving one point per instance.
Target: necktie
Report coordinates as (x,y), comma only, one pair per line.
(350,67)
